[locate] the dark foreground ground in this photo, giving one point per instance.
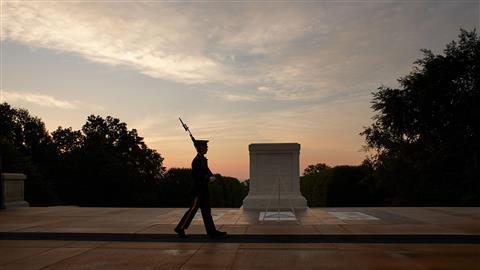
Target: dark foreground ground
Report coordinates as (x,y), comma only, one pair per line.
(323,238)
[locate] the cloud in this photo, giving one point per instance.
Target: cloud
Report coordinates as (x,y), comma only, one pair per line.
(196,45)
(239,98)
(156,46)
(46,101)
(40,100)
(294,51)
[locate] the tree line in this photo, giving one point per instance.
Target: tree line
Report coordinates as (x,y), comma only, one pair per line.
(103,164)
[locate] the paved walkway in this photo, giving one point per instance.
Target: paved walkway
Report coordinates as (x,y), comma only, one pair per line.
(323,238)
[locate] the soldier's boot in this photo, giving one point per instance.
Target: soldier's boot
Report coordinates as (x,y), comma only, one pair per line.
(180,232)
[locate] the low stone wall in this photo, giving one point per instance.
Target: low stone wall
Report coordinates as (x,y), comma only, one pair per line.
(13,190)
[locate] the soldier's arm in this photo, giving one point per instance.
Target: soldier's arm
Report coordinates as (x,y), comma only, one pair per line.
(207,170)
(196,170)
(208,173)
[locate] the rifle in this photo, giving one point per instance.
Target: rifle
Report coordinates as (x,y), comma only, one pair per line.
(187,129)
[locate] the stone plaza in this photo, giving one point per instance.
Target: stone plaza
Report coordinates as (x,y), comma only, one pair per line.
(68,237)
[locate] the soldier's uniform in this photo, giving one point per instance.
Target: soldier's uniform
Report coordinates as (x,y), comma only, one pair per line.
(200,196)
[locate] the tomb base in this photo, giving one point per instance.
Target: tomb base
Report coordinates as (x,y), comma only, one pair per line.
(274,177)
(261,202)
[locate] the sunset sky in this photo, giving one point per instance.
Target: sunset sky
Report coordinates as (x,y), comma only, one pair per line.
(237,73)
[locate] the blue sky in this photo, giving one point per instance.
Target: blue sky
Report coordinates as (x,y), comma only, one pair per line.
(237,72)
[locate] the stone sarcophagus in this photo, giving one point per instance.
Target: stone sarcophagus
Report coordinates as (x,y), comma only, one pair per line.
(274,177)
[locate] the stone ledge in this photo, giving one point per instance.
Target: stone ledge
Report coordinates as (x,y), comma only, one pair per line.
(275,147)
(260,202)
(14,176)
(247,238)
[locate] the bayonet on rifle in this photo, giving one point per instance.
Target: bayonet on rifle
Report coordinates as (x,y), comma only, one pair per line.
(187,129)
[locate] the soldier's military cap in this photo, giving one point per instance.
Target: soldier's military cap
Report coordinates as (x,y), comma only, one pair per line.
(200,142)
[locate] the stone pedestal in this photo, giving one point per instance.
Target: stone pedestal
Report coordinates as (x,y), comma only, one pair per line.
(274,169)
(13,190)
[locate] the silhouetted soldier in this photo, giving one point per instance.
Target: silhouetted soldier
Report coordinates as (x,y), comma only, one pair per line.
(200,197)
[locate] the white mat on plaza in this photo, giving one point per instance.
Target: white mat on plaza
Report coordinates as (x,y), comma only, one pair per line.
(282,216)
(352,216)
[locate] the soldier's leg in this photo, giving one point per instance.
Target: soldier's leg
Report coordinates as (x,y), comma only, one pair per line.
(188,216)
(207,215)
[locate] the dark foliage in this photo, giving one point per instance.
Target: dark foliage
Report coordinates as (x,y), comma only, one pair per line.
(117,167)
(317,168)
(426,134)
(104,164)
(345,187)
(340,186)
(175,187)
(313,187)
(26,146)
(227,192)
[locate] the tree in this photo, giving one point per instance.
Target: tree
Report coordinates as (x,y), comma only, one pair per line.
(345,186)
(227,192)
(426,133)
(319,167)
(313,187)
(116,166)
(339,186)
(26,147)
(103,164)
(68,144)
(67,140)
(175,188)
